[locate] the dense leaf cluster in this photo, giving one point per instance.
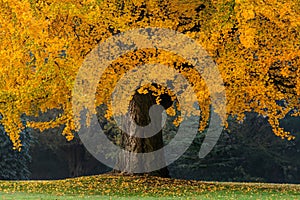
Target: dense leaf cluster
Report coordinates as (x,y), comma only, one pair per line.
(255,45)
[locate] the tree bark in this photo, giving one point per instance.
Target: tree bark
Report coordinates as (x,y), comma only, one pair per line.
(131,142)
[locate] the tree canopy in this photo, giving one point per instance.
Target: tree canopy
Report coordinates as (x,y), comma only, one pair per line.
(256,46)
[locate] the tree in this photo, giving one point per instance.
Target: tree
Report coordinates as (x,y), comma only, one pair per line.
(14,165)
(247,151)
(43,44)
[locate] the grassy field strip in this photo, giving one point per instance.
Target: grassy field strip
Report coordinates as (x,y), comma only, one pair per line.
(143,187)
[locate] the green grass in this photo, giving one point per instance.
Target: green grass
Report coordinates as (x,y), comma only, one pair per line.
(143,187)
(213,195)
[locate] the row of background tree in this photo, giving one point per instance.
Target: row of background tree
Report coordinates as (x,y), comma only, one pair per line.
(247,151)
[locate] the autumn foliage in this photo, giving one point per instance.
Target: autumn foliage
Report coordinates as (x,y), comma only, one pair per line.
(256,46)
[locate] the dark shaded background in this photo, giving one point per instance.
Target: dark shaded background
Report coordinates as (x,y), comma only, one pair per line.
(247,151)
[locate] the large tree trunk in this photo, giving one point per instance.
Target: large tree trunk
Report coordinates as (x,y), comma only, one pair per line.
(139,115)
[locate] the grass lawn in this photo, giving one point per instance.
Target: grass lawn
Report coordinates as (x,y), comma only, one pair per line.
(143,187)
